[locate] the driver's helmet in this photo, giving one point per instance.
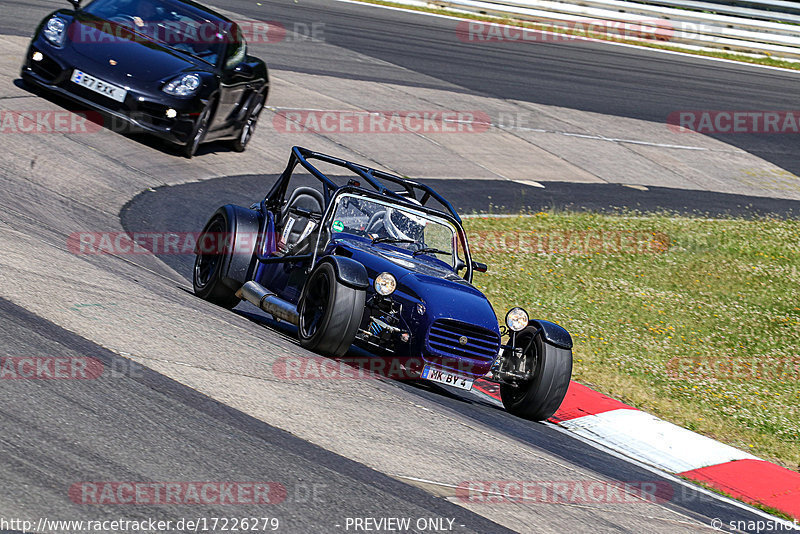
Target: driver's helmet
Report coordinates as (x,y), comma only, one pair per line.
(404,225)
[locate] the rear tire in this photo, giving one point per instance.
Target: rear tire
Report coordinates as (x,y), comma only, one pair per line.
(330,312)
(539,398)
(208,264)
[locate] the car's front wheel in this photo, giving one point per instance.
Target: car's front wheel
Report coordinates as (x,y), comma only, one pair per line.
(550,368)
(200,131)
(330,312)
(250,123)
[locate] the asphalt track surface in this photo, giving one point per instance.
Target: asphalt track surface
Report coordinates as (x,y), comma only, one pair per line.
(467,196)
(623,82)
(143,425)
(174,431)
(586,76)
(156,209)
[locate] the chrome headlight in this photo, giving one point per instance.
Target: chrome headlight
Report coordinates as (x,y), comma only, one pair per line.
(55,31)
(184,85)
(385,284)
(516,319)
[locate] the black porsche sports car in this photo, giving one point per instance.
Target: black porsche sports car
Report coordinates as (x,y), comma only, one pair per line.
(172,68)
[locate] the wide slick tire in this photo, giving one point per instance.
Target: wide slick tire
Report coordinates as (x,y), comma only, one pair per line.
(538,398)
(208,264)
(330,312)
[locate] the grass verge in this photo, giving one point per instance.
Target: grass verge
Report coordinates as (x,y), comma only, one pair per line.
(694,320)
(733,56)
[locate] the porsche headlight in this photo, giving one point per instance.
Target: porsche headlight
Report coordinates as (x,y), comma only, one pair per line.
(517,319)
(385,284)
(55,31)
(185,85)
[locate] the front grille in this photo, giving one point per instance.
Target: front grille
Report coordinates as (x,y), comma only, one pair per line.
(444,335)
(153,109)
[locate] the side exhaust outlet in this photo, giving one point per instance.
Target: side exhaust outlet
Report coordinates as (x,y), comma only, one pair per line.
(257,294)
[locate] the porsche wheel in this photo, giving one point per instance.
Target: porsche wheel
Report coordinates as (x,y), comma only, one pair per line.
(250,122)
(212,247)
(330,312)
(551,370)
(200,131)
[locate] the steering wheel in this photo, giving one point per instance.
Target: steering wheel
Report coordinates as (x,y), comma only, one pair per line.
(373,220)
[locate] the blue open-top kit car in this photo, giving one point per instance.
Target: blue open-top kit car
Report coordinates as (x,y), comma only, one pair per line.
(381,262)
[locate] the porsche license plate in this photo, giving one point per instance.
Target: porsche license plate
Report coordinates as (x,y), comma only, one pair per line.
(447,378)
(98,86)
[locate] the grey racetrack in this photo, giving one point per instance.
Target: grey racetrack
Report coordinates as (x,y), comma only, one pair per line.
(190,392)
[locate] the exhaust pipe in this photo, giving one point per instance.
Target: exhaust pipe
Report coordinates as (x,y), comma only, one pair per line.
(257,294)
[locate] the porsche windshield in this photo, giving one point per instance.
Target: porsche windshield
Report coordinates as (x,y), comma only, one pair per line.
(399,225)
(171,23)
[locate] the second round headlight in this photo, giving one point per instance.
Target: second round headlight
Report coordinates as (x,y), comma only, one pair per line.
(517,319)
(385,284)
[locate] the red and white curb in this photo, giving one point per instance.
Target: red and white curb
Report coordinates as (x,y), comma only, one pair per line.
(673,449)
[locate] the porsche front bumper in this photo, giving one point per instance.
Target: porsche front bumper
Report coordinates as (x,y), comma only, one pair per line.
(141,111)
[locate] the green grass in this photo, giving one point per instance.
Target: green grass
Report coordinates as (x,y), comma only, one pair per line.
(694,320)
(661,45)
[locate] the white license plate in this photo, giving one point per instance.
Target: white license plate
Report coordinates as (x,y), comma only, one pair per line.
(98,86)
(447,378)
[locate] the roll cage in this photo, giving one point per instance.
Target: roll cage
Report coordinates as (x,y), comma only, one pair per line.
(413,194)
(419,192)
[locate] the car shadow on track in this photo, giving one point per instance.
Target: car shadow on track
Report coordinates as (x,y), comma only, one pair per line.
(357,364)
(119,126)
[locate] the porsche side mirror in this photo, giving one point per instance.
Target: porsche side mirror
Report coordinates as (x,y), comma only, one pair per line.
(479,267)
(76,4)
